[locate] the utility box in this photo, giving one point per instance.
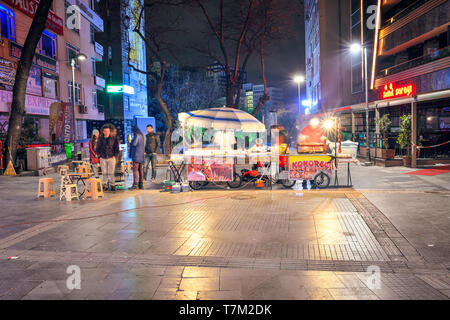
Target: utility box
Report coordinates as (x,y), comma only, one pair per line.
(38,158)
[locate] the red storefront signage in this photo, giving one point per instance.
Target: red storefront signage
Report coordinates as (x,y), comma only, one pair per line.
(29,7)
(390,91)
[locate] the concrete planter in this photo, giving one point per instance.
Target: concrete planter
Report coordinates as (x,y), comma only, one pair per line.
(386,153)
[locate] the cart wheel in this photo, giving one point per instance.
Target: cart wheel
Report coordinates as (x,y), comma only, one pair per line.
(197,185)
(288,184)
(236,183)
(322,180)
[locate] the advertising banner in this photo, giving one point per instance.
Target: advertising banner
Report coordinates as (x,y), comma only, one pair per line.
(33,104)
(38,60)
(210,170)
(34,83)
(306,167)
(7,72)
(61,123)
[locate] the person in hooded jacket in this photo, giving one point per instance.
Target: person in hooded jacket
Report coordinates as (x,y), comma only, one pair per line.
(137,150)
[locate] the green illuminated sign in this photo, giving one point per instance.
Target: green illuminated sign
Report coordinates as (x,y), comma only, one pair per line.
(120,89)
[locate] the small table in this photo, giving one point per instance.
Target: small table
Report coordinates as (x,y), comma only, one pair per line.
(75,178)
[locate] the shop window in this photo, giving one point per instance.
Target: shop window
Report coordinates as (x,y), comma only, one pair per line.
(94,67)
(77,92)
(7,23)
(94,99)
(47,44)
(50,86)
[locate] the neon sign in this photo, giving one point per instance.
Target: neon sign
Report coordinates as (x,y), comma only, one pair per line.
(391,91)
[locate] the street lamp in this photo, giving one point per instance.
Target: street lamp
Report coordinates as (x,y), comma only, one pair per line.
(356,48)
(79,57)
(299,80)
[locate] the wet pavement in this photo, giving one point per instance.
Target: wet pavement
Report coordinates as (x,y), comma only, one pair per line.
(224,244)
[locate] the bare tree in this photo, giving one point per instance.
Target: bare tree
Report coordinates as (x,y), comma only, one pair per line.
(20,85)
(159,49)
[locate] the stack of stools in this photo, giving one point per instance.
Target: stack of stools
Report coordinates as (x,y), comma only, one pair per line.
(94,189)
(67,190)
(46,188)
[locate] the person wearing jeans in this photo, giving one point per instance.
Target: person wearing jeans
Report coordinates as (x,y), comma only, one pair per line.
(152,145)
(137,156)
(108,150)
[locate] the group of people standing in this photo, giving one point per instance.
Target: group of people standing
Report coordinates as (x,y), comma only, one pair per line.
(104,148)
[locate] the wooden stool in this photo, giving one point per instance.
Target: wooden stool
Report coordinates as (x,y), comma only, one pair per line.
(69,192)
(94,189)
(84,169)
(46,188)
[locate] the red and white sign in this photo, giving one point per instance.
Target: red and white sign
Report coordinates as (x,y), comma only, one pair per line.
(33,104)
(390,91)
(29,7)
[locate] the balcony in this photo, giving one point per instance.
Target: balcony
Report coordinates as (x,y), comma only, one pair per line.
(421,21)
(437,55)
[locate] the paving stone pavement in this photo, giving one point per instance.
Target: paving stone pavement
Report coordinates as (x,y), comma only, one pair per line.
(223,244)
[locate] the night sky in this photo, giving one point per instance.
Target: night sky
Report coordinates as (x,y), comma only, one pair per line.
(284,59)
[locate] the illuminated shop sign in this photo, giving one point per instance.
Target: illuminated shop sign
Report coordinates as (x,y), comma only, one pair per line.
(120,89)
(390,91)
(29,7)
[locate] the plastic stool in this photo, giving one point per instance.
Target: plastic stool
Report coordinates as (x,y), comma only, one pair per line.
(47,185)
(94,189)
(84,169)
(69,191)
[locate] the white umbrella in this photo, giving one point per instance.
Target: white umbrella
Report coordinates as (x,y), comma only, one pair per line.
(222,119)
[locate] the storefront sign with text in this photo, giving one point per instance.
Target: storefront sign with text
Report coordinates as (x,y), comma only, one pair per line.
(29,7)
(390,91)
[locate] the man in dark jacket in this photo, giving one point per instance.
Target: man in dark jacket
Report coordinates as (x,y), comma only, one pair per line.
(137,156)
(152,145)
(107,151)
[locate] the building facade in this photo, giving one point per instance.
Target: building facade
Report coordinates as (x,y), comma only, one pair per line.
(124,64)
(70,30)
(407,71)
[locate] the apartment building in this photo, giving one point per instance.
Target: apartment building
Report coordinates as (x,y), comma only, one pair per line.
(50,77)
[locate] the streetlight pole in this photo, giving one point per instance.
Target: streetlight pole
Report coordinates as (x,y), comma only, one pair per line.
(299,80)
(79,57)
(357,48)
(366,80)
(74,122)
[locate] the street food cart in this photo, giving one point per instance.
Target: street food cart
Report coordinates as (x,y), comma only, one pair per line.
(214,143)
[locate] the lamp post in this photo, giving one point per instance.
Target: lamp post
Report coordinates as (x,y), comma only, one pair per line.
(299,80)
(79,57)
(356,48)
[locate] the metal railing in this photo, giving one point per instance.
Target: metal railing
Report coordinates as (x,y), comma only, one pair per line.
(403,13)
(437,55)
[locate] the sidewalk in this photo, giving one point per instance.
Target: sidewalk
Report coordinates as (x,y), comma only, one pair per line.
(223,244)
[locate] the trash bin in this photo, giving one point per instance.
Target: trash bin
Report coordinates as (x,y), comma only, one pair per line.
(68,147)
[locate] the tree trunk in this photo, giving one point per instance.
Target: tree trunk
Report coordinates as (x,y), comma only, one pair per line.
(20,85)
(168,118)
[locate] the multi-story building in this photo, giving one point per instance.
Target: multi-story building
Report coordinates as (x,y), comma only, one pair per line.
(124,64)
(217,76)
(407,68)
(253,93)
(50,77)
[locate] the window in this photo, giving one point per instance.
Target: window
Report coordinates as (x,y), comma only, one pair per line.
(77,92)
(110,76)
(50,85)
(126,79)
(7,23)
(109,55)
(94,67)
(71,54)
(126,103)
(92,34)
(94,99)
(47,44)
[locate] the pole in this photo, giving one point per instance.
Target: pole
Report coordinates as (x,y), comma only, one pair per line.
(299,98)
(367,103)
(72,63)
